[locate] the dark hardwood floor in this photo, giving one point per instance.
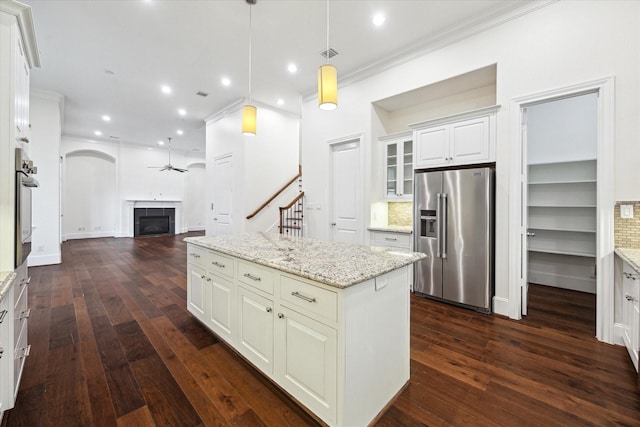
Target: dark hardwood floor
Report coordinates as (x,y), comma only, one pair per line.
(113,344)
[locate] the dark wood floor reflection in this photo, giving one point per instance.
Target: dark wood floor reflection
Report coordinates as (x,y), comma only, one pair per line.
(113,344)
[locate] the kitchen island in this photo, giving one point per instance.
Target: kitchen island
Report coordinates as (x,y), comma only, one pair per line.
(327,322)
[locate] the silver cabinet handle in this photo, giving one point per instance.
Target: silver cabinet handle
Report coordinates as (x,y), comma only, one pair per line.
(252,277)
(208,279)
(25,352)
(391,239)
(530,234)
(24,139)
(3,314)
(303,297)
(195,255)
(24,314)
(629,298)
(217,264)
(333,224)
(203,276)
(269,309)
(280,316)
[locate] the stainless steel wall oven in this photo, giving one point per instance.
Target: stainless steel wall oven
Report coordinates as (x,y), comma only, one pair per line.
(24,183)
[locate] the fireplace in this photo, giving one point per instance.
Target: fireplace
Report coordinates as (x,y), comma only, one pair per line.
(154,221)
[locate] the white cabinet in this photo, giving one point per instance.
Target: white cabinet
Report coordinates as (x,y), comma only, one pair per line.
(394,239)
(295,330)
(562,224)
(6,352)
(21,94)
(631,312)
(398,166)
(462,139)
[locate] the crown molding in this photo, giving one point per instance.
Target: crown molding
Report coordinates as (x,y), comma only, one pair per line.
(23,14)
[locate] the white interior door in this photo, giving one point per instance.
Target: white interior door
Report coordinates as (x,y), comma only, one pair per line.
(346,192)
(222,195)
(524,221)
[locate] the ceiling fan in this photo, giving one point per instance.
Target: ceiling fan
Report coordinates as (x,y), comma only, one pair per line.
(169,166)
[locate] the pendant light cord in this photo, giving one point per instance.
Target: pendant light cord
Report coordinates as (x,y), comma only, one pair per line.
(327,51)
(250,37)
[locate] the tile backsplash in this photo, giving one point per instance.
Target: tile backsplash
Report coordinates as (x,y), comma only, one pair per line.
(400,213)
(627,230)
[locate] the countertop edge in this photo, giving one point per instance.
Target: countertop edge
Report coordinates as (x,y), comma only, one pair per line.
(402,261)
(391,230)
(631,256)
(6,281)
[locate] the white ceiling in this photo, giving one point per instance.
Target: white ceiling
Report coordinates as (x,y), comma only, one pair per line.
(111,57)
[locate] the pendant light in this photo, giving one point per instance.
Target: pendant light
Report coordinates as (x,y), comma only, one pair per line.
(249,112)
(327,79)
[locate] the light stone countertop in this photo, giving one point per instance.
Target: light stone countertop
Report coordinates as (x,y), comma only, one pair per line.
(630,255)
(6,280)
(336,264)
(406,229)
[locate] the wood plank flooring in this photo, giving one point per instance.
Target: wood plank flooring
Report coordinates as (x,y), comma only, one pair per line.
(113,345)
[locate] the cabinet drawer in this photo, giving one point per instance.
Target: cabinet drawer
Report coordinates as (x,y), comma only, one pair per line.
(197,255)
(257,277)
(310,298)
(22,351)
(19,287)
(220,264)
(21,313)
(400,240)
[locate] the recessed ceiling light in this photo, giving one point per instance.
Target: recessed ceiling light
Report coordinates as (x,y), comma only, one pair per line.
(180,132)
(226,81)
(293,68)
(378,19)
(97,133)
(160,142)
(106,118)
(182,111)
(166,89)
(280,101)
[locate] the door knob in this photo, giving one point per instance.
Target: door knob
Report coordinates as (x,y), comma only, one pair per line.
(333,224)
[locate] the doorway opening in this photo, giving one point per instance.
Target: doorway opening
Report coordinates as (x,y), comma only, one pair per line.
(597,250)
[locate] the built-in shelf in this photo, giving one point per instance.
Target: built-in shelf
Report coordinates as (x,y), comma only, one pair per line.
(561,252)
(579,181)
(573,230)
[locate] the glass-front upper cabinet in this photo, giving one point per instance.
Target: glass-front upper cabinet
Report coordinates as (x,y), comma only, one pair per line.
(398,166)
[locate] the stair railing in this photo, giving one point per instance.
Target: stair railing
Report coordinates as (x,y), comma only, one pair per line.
(277,193)
(292,217)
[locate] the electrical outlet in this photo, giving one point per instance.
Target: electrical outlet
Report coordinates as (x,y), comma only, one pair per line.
(626,211)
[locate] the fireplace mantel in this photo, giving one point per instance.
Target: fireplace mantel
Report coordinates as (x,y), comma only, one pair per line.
(141,203)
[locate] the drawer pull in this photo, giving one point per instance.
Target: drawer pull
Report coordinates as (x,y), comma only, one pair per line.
(252,277)
(629,298)
(391,239)
(25,352)
(195,255)
(280,316)
(269,309)
(303,297)
(203,277)
(217,264)
(208,279)
(3,314)
(25,281)
(24,314)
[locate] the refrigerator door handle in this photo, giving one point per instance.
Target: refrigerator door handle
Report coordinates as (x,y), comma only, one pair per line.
(443,221)
(439,226)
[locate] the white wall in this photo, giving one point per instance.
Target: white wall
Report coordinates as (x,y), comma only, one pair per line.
(46,130)
(563,130)
(558,45)
(261,164)
(134,180)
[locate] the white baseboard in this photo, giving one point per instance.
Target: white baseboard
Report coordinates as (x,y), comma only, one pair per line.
(49,259)
(89,235)
(196,228)
(501,306)
(617,334)
(574,283)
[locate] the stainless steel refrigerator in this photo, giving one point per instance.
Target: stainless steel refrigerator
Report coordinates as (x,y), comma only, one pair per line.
(454,227)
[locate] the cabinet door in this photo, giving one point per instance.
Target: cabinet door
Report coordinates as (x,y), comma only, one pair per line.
(6,351)
(469,141)
(21,99)
(195,291)
(255,331)
(631,313)
(391,170)
(307,360)
(220,294)
(432,146)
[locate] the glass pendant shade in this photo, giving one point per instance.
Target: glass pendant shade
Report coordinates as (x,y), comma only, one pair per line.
(249,118)
(327,87)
